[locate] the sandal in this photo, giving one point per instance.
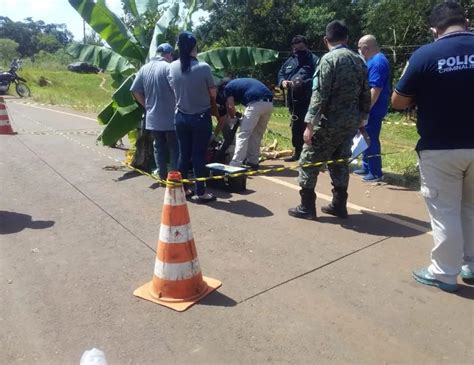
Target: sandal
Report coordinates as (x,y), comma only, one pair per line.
(205,198)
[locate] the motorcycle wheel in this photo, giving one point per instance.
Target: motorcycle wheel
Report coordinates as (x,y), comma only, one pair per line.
(22,90)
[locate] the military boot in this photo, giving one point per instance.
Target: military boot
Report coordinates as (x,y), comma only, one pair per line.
(307,208)
(338,205)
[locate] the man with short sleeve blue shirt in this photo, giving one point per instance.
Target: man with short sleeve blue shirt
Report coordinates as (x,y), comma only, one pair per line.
(439,79)
(152,90)
(380,89)
(258,102)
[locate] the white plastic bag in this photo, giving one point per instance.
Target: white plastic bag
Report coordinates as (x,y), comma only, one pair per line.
(93,357)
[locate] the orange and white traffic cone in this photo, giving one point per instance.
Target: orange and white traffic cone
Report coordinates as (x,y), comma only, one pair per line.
(177,279)
(5,126)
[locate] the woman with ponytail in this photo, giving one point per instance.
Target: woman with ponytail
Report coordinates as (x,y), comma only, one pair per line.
(195,92)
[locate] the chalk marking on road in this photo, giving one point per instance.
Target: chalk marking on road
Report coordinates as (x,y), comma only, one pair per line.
(57,111)
(356,207)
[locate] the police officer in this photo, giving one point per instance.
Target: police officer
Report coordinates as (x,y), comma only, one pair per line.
(339,105)
(439,79)
(295,77)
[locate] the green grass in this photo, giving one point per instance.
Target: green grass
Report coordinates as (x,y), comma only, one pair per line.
(398,143)
(79,91)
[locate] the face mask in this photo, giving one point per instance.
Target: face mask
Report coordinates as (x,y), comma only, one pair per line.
(300,53)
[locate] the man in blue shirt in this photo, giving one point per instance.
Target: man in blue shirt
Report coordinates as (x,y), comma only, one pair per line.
(439,79)
(380,88)
(296,77)
(258,102)
(152,90)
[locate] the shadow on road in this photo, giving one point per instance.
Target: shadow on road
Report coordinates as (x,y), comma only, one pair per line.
(242,207)
(466,291)
(128,175)
(11,222)
(373,225)
(218,299)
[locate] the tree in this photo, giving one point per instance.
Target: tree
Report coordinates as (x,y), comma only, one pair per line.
(33,36)
(8,50)
(129,50)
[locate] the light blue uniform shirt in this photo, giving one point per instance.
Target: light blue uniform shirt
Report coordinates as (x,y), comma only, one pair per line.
(152,81)
(191,89)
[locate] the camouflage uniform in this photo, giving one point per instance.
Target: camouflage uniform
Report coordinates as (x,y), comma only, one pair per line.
(340,101)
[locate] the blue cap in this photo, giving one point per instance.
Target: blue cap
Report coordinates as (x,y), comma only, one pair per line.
(165,48)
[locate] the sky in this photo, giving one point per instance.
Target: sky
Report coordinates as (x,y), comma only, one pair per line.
(50,11)
(53,11)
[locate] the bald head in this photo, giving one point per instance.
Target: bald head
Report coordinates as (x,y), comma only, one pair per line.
(368,46)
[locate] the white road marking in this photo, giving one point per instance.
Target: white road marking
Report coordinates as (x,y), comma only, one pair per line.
(57,111)
(356,207)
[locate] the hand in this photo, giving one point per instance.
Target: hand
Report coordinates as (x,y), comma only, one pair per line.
(363,123)
(287,84)
(308,134)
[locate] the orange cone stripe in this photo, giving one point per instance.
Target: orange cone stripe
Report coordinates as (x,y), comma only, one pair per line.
(175,216)
(176,253)
(178,289)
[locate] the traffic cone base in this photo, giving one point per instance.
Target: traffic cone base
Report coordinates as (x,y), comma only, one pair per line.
(179,305)
(5,126)
(177,281)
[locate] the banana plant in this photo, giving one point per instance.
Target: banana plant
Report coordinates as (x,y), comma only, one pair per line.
(130,47)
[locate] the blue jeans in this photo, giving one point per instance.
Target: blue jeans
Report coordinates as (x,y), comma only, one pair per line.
(193,132)
(373,165)
(165,145)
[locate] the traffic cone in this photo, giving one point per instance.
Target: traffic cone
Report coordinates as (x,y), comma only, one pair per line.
(177,279)
(5,126)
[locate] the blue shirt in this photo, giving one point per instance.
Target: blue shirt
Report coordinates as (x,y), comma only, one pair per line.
(440,77)
(247,90)
(379,76)
(152,82)
(192,88)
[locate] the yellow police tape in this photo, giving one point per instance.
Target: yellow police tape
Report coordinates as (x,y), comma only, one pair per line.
(250,173)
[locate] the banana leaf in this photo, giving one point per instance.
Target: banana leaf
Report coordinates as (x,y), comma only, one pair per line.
(124,102)
(150,5)
(119,125)
(106,114)
(101,57)
(231,57)
(162,25)
(110,28)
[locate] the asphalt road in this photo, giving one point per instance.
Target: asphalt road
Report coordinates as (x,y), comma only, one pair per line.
(77,237)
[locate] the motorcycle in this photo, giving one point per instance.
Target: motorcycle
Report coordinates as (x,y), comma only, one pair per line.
(11,77)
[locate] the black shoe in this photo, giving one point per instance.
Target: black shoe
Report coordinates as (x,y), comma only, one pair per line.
(251,166)
(340,212)
(302,213)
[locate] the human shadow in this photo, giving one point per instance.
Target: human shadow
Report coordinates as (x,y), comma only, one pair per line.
(466,291)
(368,223)
(12,222)
(217,299)
(287,172)
(242,207)
(128,175)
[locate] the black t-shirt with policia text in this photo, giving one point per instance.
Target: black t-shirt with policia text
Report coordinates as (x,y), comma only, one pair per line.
(440,77)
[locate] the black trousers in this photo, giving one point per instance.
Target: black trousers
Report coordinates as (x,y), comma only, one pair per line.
(298,111)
